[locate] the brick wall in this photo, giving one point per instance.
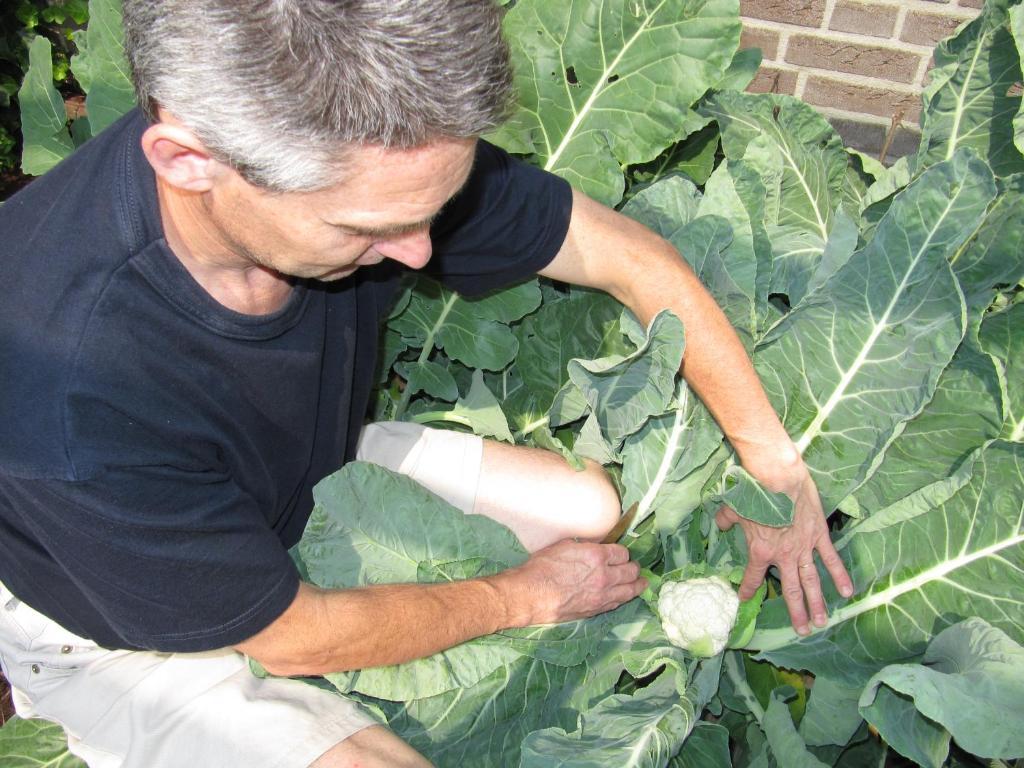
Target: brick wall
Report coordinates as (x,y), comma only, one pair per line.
(863,63)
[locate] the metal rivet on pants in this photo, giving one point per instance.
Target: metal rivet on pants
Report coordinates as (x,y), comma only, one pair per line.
(66,649)
(35,669)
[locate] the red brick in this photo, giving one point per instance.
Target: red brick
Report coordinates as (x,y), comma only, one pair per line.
(765,39)
(803,13)
(864,19)
(853,59)
(772,80)
(826,92)
(929,28)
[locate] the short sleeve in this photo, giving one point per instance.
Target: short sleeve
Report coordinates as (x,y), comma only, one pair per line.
(507,223)
(153,557)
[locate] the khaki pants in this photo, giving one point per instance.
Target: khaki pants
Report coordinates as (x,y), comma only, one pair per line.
(142,709)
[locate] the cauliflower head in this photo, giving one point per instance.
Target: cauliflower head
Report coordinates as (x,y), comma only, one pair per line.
(698,615)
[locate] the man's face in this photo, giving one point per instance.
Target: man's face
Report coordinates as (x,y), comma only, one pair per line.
(381,210)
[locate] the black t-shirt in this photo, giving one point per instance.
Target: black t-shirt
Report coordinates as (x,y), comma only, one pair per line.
(158,450)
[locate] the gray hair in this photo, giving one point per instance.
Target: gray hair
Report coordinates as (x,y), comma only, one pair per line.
(283,89)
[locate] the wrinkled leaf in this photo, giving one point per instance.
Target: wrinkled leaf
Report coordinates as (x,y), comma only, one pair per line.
(602,86)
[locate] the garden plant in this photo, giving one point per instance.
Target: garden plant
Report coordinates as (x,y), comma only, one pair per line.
(884,310)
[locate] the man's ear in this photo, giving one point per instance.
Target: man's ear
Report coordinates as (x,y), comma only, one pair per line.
(178,157)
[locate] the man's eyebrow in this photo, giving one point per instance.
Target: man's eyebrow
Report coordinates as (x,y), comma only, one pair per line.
(397,230)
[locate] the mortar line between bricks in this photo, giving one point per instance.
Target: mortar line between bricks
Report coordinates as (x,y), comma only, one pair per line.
(826,17)
(780,51)
(901,22)
(879,83)
(928,6)
(897,46)
(864,117)
(801,83)
(922,72)
(903,89)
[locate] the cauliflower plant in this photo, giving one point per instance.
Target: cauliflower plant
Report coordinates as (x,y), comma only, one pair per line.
(698,615)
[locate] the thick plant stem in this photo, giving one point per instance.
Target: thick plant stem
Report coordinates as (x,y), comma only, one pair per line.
(739,681)
(428,348)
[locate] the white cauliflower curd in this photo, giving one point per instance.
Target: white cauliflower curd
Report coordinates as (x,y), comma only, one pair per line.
(698,615)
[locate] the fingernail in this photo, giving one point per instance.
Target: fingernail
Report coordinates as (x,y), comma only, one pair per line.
(803,630)
(846,591)
(820,621)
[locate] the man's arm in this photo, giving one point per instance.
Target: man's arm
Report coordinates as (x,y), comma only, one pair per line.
(335,630)
(606,250)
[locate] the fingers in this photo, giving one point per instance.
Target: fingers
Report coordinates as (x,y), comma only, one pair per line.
(615,554)
(726,518)
(834,566)
(793,594)
(811,587)
(753,576)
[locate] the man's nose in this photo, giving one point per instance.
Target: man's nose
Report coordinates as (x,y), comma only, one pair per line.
(412,249)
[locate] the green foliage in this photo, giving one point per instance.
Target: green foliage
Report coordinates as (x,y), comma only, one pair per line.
(35,744)
(49,135)
(882,309)
(20,22)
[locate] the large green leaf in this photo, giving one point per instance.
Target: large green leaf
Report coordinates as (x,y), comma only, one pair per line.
(994,256)
(972,99)
(480,411)
(1017,30)
(624,393)
(1002,336)
(965,412)
(707,746)
(831,716)
(35,744)
(736,193)
(863,353)
(917,576)
(663,453)
(760,128)
(604,85)
(645,729)
(101,67)
(466,331)
(744,494)
(372,526)
(430,377)
(666,206)
(572,327)
(43,120)
(484,726)
(972,676)
(786,744)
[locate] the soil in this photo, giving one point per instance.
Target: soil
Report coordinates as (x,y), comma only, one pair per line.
(11,181)
(6,705)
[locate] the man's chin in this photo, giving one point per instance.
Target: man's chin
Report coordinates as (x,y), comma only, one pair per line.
(337,274)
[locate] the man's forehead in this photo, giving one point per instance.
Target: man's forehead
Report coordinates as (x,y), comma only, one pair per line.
(391,190)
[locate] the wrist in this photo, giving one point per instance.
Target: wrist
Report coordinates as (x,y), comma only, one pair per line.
(778,460)
(504,596)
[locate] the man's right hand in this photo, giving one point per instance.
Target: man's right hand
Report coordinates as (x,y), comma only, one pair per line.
(568,580)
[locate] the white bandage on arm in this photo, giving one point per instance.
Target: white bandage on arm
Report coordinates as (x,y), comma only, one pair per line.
(445,462)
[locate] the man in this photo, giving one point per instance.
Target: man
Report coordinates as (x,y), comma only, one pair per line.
(193,301)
